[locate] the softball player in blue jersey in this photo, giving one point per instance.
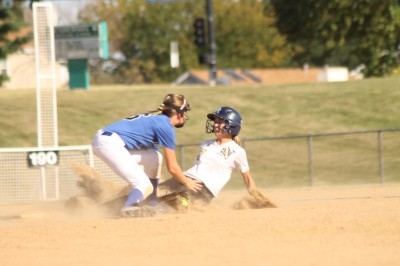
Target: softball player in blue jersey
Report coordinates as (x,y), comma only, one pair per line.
(130,148)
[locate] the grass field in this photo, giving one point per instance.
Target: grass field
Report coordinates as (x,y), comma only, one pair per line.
(283,110)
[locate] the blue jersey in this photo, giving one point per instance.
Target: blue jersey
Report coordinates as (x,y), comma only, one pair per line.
(145,131)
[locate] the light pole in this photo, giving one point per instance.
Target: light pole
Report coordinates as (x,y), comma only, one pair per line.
(212,46)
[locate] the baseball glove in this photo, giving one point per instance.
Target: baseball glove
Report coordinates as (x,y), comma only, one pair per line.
(178,201)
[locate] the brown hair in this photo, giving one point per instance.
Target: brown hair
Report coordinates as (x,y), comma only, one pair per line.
(172,104)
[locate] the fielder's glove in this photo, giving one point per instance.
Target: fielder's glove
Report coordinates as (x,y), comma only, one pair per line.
(179,201)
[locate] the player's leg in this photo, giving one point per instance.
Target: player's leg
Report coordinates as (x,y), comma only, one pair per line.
(202,197)
(111,149)
(169,186)
(173,187)
(151,161)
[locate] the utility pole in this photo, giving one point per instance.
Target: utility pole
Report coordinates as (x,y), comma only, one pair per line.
(212,46)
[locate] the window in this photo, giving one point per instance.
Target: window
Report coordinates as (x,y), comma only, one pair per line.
(3,66)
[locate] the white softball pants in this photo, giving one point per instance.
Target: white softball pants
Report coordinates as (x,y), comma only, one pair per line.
(134,166)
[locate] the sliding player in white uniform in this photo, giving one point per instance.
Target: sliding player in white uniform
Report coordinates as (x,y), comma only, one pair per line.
(130,148)
(216,160)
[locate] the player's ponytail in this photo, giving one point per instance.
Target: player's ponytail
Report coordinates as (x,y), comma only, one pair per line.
(236,139)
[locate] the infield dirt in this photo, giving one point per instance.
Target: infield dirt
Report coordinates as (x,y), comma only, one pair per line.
(310,226)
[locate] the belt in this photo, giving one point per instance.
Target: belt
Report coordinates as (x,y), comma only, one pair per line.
(108,133)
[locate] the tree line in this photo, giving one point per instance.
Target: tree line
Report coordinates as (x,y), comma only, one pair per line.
(249,34)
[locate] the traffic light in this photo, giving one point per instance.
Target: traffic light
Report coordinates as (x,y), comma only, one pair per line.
(200,32)
(204,59)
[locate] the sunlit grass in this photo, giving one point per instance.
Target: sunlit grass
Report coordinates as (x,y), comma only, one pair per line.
(267,111)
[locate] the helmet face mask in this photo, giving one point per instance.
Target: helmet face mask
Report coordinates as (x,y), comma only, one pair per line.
(210,125)
(231,117)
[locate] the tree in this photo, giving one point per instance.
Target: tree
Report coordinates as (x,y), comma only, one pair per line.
(346,32)
(142,32)
(247,38)
(10,40)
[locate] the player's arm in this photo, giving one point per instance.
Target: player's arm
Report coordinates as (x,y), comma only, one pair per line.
(249,181)
(176,171)
(261,200)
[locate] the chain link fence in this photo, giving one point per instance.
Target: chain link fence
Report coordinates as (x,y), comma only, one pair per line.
(343,158)
(340,158)
(36,174)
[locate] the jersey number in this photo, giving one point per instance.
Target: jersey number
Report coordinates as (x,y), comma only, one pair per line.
(137,116)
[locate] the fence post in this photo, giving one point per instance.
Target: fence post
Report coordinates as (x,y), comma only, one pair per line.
(380,151)
(310,162)
(182,155)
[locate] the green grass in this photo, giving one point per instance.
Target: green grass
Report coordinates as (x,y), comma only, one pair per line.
(267,111)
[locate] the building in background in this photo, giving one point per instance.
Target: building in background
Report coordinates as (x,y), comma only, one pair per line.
(20,66)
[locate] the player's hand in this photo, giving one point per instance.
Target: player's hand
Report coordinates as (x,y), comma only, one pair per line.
(193,185)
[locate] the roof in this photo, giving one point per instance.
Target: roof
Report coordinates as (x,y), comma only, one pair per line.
(252,76)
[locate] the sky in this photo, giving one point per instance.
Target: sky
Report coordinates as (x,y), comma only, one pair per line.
(68,10)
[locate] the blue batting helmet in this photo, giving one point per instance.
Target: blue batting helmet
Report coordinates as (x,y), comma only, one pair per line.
(232,118)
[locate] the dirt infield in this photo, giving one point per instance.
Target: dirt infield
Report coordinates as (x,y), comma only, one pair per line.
(310,226)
